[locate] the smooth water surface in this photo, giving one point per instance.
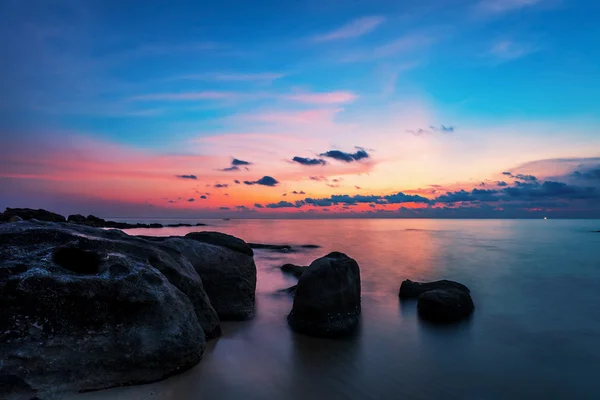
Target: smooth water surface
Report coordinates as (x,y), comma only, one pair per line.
(535,333)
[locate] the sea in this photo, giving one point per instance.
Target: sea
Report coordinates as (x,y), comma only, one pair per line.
(535,332)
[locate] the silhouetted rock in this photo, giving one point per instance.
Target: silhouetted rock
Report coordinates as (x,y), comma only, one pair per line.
(178,225)
(200,224)
(221,239)
(84,308)
(310,246)
(228,274)
(77,219)
(327,300)
(296,270)
(284,248)
(28,213)
(445,305)
(410,289)
(15,218)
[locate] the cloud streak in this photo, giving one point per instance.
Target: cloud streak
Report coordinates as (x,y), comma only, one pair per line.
(264,181)
(345,157)
(309,161)
(353,29)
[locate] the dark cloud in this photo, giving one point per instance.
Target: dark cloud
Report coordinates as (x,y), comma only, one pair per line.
(283,195)
(502,183)
(418,132)
(172,201)
(265,181)
(224,208)
(528,178)
(237,162)
(191,199)
(285,204)
(345,157)
(309,161)
(237,182)
(357,187)
(463,196)
(257,205)
(242,208)
(229,169)
(318,202)
(593,174)
(443,128)
(192,177)
(356,199)
(220,185)
(317,178)
(296,192)
(551,189)
(203,197)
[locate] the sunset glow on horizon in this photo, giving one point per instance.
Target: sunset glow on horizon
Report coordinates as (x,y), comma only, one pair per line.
(476,108)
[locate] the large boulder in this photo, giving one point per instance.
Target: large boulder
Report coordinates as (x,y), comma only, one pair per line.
(410,289)
(445,305)
(327,299)
(28,213)
(221,239)
(227,270)
(83,309)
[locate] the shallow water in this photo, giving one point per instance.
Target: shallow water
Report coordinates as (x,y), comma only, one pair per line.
(535,332)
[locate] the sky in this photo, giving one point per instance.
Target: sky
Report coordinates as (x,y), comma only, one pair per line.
(303,109)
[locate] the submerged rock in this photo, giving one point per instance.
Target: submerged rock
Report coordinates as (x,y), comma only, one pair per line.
(410,289)
(83,309)
(227,270)
(293,269)
(445,305)
(28,213)
(327,300)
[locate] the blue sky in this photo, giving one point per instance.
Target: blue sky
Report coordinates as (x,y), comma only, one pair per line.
(517,81)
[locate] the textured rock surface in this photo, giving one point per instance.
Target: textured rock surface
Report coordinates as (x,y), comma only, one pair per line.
(410,289)
(83,309)
(227,270)
(327,299)
(445,305)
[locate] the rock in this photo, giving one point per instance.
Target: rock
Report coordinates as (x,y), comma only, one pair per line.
(84,309)
(228,275)
(310,246)
(28,213)
(77,219)
(295,270)
(221,239)
(410,289)
(445,305)
(284,248)
(15,218)
(327,300)
(200,224)
(178,225)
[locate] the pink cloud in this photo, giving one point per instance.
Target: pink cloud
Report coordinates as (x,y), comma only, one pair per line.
(356,28)
(502,6)
(322,98)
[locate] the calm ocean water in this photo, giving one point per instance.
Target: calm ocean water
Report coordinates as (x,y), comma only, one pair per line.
(535,333)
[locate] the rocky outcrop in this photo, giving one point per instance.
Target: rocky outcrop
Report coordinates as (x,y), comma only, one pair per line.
(227,270)
(96,222)
(445,305)
(327,300)
(296,270)
(28,213)
(83,308)
(221,239)
(410,289)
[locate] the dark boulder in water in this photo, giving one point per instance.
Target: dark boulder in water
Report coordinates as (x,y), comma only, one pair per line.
(327,300)
(445,305)
(221,239)
(283,248)
(227,270)
(410,289)
(296,270)
(83,309)
(28,213)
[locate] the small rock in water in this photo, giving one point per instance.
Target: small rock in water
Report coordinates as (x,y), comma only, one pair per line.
(410,289)
(445,305)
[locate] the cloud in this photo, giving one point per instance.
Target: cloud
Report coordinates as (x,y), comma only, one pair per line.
(523,177)
(296,192)
(203,197)
(345,199)
(502,183)
(507,50)
(237,162)
(551,189)
(322,98)
(193,177)
(220,185)
(229,169)
(285,204)
(398,46)
(224,208)
(309,161)
(317,178)
(463,196)
(234,77)
(593,174)
(191,200)
(443,128)
(265,181)
(432,129)
(503,6)
(345,157)
(236,182)
(258,205)
(353,29)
